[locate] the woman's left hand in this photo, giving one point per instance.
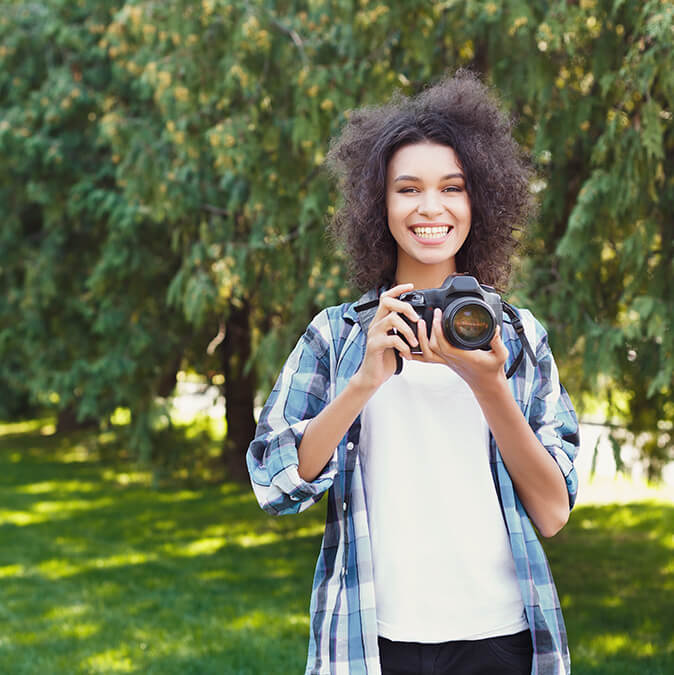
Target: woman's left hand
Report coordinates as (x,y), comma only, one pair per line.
(482,370)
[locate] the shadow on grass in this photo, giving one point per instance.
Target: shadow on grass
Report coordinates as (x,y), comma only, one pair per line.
(614,569)
(102,578)
(98,578)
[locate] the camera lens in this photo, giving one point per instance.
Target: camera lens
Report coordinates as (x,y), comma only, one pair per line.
(469,325)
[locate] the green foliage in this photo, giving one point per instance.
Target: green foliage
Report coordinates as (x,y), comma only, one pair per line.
(601,266)
(82,314)
(161,165)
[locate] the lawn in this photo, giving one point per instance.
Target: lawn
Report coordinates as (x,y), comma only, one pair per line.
(101,573)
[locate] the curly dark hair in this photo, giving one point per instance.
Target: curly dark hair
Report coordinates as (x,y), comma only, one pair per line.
(462,113)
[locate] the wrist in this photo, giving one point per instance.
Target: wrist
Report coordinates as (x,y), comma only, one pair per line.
(359,387)
(492,388)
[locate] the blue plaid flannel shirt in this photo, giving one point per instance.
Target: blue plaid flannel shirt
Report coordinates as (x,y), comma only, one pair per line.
(343,621)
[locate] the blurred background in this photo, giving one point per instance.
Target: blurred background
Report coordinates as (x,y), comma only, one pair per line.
(162,246)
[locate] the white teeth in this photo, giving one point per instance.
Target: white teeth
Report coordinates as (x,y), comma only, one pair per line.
(431,232)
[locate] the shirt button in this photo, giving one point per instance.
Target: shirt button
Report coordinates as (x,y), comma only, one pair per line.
(344,507)
(349,446)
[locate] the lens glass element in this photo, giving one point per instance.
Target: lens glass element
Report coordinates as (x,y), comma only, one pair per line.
(472,323)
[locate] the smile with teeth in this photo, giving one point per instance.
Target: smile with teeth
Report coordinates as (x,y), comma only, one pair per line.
(434,232)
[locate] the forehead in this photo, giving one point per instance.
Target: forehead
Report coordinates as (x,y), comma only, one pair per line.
(421,159)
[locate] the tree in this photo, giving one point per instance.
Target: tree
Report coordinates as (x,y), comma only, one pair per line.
(211,123)
(81,321)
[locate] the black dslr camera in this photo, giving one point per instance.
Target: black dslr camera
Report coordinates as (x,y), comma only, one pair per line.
(470,311)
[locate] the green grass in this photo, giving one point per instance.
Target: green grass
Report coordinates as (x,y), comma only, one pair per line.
(101,574)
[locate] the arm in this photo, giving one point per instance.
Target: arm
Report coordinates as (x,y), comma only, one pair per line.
(325,431)
(536,476)
(532,449)
(299,394)
(292,459)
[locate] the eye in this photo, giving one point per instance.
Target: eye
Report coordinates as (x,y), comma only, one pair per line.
(453,188)
(407,190)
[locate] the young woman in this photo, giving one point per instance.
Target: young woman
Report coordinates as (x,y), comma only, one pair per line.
(436,476)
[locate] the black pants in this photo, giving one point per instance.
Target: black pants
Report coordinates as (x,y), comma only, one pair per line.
(503,655)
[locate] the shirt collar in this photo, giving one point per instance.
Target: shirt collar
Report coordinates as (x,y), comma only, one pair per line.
(364,309)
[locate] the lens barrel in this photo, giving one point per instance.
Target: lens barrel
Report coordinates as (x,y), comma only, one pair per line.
(469,323)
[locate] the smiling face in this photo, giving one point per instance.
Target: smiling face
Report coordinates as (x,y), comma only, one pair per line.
(428,211)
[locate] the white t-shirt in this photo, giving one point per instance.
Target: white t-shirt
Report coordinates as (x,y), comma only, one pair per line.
(443,567)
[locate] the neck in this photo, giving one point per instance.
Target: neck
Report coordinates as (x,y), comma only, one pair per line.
(424,276)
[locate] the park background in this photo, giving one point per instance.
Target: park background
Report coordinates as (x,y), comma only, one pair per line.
(162,246)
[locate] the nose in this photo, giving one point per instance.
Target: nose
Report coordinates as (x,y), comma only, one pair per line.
(429,204)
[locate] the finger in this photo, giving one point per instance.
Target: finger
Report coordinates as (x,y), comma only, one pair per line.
(497,345)
(394,321)
(395,291)
(388,304)
(437,336)
(422,332)
(397,343)
(397,323)
(427,353)
(389,340)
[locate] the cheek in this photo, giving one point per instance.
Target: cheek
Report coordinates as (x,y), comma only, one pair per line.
(394,211)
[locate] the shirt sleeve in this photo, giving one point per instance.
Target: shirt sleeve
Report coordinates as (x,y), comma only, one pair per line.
(300,393)
(551,415)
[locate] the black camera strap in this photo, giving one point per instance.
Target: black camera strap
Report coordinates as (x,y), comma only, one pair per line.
(516,323)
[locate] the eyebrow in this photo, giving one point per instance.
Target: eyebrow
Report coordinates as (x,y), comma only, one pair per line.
(414,178)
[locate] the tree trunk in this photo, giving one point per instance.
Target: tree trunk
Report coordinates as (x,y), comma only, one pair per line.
(67,421)
(239,391)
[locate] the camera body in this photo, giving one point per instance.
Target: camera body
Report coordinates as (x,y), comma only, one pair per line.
(470,311)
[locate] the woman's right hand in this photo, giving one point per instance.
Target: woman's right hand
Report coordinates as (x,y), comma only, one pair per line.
(382,341)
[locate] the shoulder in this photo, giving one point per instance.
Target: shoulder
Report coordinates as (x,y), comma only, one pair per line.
(533,328)
(340,318)
(332,319)
(329,326)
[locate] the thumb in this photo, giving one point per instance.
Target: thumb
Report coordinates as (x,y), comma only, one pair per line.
(497,345)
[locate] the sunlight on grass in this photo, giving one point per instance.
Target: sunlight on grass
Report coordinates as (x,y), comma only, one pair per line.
(81,631)
(66,507)
(252,539)
(201,547)
(57,486)
(21,518)
(110,661)
(60,568)
(668,569)
(622,489)
(125,478)
(78,453)
(67,611)
(110,575)
(256,620)
(10,428)
(11,571)
(53,510)
(249,540)
(611,644)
